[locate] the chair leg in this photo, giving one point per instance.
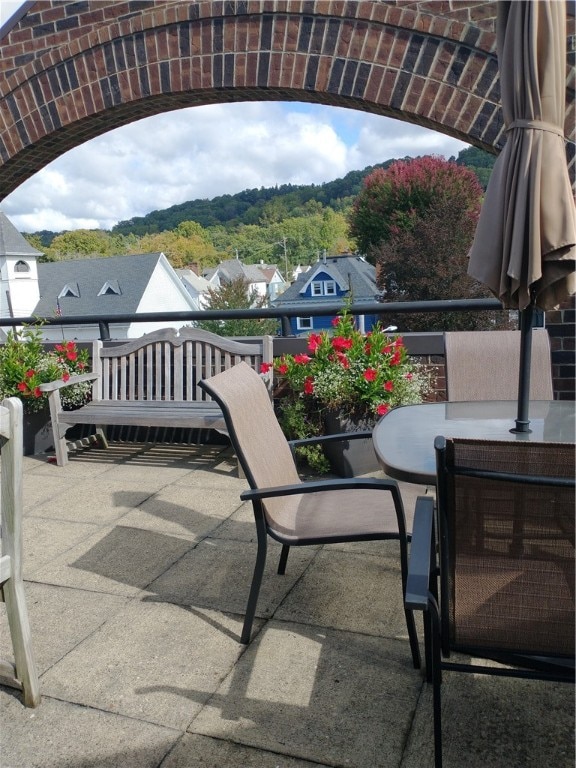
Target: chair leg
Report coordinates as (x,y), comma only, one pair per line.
(283,559)
(25,668)
(436,676)
(256,582)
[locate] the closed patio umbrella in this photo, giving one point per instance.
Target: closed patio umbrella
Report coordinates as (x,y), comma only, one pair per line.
(525,242)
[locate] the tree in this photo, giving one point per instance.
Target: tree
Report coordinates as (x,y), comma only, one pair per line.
(235,295)
(416,221)
(429,262)
(84,244)
(394,199)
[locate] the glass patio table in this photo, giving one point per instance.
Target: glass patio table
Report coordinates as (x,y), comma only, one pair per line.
(404,437)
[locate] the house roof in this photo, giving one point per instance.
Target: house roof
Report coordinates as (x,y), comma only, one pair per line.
(198,283)
(353,274)
(129,274)
(232,269)
(12,243)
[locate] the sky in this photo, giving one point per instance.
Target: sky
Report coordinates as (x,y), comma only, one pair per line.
(203,152)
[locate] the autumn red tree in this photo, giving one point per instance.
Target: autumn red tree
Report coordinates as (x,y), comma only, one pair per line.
(416,221)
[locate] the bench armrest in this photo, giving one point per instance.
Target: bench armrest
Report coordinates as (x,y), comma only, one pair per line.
(418,580)
(51,386)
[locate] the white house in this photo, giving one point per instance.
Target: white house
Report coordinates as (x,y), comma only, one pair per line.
(196,285)
(118,285)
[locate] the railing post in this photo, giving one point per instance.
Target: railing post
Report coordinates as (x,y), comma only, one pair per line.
(104,330)
(286,327)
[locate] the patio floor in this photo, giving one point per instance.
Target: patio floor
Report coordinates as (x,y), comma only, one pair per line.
(138,561)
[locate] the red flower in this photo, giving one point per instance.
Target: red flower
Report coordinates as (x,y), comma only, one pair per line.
(370,374)
(37,392)
(335,321)
(396,359)
(409,376)
(81,365)
(389,386)
(340,343)
(22,386)
(343,360)
(30,373)
(72,355)
(264,367)
(314,341)
(302,359)
(282,369)
(387,349)
(59,348)
(382,409)
(308,385)
(65,376)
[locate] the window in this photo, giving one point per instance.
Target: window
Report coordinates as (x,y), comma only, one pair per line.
(330,288)
(317,289)
(21,266)
(323,288)
(110,288)
(70,290)
(304,323)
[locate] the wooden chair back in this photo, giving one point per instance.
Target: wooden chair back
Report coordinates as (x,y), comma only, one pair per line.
(21,673)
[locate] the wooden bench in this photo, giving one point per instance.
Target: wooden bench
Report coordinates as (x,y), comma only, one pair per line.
(153,382)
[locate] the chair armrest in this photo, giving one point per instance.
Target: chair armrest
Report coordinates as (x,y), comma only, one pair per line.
(316,486)
(51,386)
(418,580)
(329,438)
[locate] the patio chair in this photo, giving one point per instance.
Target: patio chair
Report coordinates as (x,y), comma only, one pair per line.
(503,532)
(484,365)
(293,512)
(22,673)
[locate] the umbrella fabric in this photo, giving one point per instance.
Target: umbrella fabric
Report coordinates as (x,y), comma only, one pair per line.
(525,242)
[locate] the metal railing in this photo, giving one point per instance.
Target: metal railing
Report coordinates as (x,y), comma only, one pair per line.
(382,309)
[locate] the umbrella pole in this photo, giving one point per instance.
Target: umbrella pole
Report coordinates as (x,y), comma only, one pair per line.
(526,325)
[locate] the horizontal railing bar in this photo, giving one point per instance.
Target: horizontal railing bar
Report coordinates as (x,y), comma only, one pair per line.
(312,310)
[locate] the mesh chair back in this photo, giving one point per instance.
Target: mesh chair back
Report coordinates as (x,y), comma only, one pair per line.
(484,365)
(260,444)
(507,547)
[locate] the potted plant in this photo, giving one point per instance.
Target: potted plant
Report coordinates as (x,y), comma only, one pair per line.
(25,364)
(344,382)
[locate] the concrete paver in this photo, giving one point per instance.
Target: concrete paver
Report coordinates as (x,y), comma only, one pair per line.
(138,561)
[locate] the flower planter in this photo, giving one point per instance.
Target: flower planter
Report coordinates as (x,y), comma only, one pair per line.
(350,457)
(37,433)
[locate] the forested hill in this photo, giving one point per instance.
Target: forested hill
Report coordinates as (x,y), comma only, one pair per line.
(248,207)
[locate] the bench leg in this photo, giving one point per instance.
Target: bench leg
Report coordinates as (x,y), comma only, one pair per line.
(101,432)
(60,447)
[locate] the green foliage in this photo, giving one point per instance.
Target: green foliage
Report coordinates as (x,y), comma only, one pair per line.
(25,365)
(83,244)
(299,421)
(235,295)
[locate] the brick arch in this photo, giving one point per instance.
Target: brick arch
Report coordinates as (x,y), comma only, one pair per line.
(73,71)
(72,77)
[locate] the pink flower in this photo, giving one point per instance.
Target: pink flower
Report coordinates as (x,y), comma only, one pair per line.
(343,360)
(409,376)
(382,409)
(370,374)
(389,386)
(65,376)
(340,343)
(264,367)
(314,341)
(302,359)
(308,385)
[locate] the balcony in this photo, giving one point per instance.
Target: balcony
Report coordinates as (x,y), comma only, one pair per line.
(137,563)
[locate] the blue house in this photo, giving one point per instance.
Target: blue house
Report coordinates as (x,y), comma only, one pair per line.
(330,280)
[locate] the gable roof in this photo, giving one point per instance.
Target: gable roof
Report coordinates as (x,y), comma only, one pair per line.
(232,269)
(12,243)
(130,273)
(353,274)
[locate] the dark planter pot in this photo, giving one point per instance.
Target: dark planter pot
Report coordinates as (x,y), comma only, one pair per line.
(37,433)
(350,457)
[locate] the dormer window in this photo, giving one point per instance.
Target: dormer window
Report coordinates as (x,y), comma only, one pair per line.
(70,290)
(323,288)
(110,288)
(21,266)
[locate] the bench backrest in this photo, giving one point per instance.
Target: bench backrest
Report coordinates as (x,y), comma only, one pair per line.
(169,364)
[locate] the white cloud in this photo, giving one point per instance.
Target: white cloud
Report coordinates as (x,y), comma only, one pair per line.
(203,152)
